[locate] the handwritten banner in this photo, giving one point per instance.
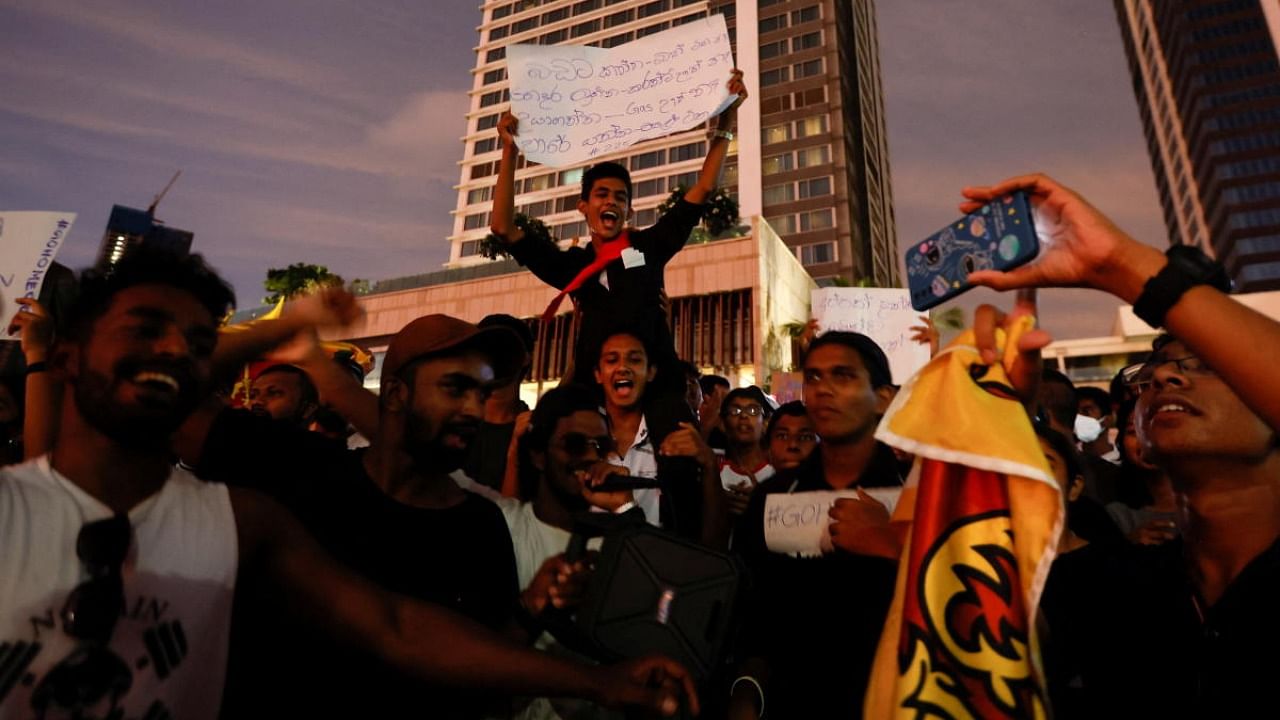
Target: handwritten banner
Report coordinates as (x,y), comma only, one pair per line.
(575,103)
(883,314)
(799,523)
(29,242)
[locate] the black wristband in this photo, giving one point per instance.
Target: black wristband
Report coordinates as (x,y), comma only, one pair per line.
(1187,267)
(37,367)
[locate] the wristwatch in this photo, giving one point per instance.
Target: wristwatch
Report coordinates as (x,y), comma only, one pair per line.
(1188,266)
(726,134)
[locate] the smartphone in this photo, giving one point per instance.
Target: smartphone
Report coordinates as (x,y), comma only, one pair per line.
(1000,235)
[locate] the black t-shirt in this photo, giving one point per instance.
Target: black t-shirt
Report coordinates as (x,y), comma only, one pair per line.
(487,455)
(631,300)
(459,557)
(816,621)
(1147,650)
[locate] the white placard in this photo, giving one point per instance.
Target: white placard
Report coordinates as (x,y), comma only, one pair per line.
(29,242)
(797,523)
(575,102)
(883,314)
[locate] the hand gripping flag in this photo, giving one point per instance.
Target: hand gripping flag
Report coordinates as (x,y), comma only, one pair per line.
(984,513)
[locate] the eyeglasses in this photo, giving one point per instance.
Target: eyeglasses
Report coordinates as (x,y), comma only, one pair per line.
(752,410)
(577,444)
(94,606)
(1140,375)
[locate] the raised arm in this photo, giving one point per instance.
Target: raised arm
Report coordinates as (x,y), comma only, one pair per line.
(424,640)
(709,177)
(1088,250)
(330,307)
(337,387)
(503,219)
(43,402)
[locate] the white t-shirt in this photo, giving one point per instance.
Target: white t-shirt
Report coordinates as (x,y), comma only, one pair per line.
(168,653)
(731,475)
(641,462)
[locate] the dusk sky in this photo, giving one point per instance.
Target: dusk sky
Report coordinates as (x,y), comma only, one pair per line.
(328,131)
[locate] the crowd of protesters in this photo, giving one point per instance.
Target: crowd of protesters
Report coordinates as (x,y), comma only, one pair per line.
(169,549)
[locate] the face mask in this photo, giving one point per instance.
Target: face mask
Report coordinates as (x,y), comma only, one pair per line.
(1087,429)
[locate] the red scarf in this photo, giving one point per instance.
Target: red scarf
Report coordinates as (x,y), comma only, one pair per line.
(605,254)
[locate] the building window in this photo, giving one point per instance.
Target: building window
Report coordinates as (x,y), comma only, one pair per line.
(817,220)
(495,54)
(555,15)
(645,218)
(775,134)
(685,180)
(808,69)
(500,12)
(816,96)
(619,18)
(815,187)
(778,104)
(494,76)
(805,15)
(486,122)
(479,195)
(585,6)
(1260,271)
(652,29)
(565,203)
(775,76)
(809,126)
(483,170)
(524,25)
(647,160)
(653,8)
(783,224)
(484,146)
(773,49)
(769,24)
(475,222)
(657,186)
(778,194)
(617,40)
(538,209)
(807,41)
(554,37)
(492,98)
(469,248)
(817,253)
(538,182)
(497,33)
(690,151)
(570,177)
(810,157)
(585,28)
(773,164)
(571,230)
(730,177)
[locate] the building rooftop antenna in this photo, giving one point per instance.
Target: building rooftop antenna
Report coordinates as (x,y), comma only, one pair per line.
(152,210)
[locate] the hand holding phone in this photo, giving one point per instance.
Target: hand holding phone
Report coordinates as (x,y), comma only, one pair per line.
(1000,235)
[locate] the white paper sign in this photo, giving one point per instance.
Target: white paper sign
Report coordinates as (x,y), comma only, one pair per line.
(575,102)
(798,523)
(883,314)
(29,241)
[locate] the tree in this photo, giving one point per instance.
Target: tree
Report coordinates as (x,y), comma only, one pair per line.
(296,279)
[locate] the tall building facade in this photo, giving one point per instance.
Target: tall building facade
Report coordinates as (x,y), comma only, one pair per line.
(1207,79)
(128,228)
(810,156)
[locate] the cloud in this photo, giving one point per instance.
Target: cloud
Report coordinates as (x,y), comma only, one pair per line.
(137,27)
